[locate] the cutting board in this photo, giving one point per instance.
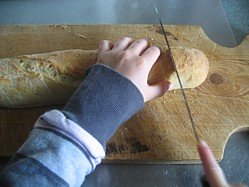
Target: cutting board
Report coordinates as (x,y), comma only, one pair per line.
(161,132)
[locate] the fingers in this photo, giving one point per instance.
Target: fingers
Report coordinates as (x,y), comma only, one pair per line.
(151,55)
(122,44)
(105,45)
(212,169)
(139,46)
(158,90)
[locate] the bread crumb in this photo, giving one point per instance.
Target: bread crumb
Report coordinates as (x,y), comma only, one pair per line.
(64,26)
(68,30)
(80,35)
(61,26)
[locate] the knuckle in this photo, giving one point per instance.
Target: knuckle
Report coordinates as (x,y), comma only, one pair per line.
(155,49)
(126,54)
(141,62)
(144,40)
(126,38)
(103,41)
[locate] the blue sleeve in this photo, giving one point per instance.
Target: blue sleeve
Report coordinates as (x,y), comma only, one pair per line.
(66,145)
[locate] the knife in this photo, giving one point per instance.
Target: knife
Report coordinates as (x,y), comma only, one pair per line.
(178,77)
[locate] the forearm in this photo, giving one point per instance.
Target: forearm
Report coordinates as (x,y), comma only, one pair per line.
(67,145)
(48,157)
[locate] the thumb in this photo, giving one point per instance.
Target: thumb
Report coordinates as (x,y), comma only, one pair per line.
(158,90)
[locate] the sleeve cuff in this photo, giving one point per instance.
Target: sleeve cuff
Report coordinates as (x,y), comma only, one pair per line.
(57,121)
(104,101)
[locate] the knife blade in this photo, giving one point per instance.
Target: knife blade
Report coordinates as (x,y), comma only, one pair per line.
(178,77)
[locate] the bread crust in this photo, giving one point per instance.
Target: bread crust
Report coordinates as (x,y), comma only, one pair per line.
(51,78)
(192,66)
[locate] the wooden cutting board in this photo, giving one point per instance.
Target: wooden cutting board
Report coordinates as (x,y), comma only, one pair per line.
(161,132)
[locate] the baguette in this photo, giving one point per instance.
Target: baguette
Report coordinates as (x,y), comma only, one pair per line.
(51,78)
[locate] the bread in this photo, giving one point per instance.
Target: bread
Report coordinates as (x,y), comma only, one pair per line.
(42,79)
(51,78)
(192,66)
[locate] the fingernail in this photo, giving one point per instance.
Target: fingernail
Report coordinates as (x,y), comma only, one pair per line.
(158,48)
(171,85)
(203,143)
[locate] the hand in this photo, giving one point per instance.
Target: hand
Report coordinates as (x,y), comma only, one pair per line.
(134,59)
(213,171)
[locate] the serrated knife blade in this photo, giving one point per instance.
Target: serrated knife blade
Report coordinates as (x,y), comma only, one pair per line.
(178,77)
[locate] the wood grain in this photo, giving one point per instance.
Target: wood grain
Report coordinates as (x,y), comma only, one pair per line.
(161,132)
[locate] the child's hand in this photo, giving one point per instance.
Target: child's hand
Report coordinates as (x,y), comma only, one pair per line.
(134,59)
